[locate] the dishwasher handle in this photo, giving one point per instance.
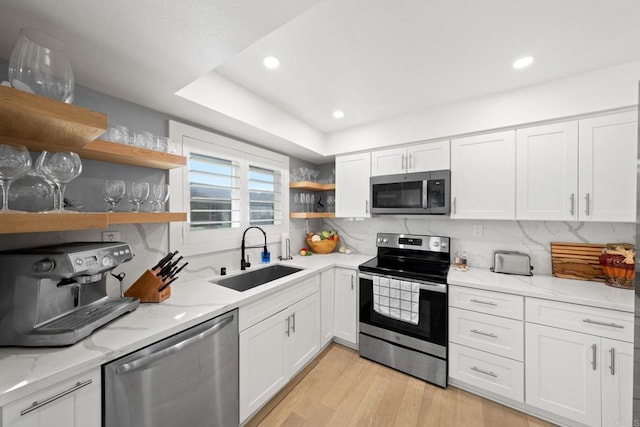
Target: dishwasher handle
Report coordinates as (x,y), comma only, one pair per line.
(148,359)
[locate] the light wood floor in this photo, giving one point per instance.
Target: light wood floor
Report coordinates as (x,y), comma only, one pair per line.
(346,390)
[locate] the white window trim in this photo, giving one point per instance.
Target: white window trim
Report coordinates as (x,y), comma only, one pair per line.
(201,242)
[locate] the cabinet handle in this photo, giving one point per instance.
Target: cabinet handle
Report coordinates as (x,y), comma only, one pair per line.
(595,322)
(410,160)
(594,355)
(352,282)
(491,374)
(454,205)
(288,332)
(572,211)
(484,302)
(35,405)
(486,334)
(612,367)
(293,322)
(404,162)
(366,206)
(586,210)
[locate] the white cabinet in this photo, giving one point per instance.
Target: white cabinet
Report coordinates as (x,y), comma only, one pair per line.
(483,176)
(578,171)
(486,340)
(327,305)
(414,158)
(346,305)
(607,173)
(75,402)
(304,334)
(547,172)
(580,362)
(352,185)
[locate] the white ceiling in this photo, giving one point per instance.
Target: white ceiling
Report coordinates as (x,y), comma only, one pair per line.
(374,59)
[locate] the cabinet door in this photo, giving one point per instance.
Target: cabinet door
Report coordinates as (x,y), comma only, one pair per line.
(608,156)
(562,373)
(264,362)
(431,156)
(483,176)
(327,305)
(617,383)
(81,407)
(346,305)
(388,162)
(352,185)
(304,335)
(547,172)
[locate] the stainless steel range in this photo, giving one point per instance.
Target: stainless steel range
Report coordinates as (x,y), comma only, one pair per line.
(403,305)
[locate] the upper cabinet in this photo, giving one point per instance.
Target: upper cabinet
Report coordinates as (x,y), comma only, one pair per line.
(578,171)
(547,172)
(352,185)
(483,176)
(607,167)
(415,158)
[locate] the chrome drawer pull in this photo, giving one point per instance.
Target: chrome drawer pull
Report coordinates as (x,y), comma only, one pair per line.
(612,351)
(288,331)
(491,374)
(594,355)
(484,302)
(35,405)
(595,322)
(573,203)
(486,334)
(293,322)
(586,198)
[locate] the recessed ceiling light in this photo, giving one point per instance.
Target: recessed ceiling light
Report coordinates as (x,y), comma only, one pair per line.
(271,62)
(338,114)
(523,62)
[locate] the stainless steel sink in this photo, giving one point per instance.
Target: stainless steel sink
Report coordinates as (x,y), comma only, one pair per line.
(249,280)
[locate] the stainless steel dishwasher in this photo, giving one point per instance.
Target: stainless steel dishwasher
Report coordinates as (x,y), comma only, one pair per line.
(189,379)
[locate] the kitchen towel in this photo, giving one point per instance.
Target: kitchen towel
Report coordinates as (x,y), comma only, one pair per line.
(397,299)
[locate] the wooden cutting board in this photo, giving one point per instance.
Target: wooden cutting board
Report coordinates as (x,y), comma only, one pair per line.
(579,261)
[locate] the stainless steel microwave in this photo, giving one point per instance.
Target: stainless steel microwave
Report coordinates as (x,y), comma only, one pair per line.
(418,193)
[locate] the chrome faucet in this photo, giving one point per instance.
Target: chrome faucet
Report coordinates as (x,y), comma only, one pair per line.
(287,252)
(244,264)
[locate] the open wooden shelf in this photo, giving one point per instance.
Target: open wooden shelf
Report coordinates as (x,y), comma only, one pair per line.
(302,215)
(308,185)
(34,222)
(41,123)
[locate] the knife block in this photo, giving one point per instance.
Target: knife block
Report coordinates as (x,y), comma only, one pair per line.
(146,288)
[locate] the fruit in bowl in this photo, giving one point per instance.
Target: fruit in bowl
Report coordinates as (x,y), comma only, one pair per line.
(323,242)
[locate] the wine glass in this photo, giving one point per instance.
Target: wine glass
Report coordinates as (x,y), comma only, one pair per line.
(62,168)
(14,161)
(138,193)
(113,193)
(314,174)
(158,196)
(296,202)
(40,64)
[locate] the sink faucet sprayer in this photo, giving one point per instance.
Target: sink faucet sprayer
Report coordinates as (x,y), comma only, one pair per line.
(244,264)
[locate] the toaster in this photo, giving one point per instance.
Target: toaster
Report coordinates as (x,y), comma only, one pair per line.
(512,262)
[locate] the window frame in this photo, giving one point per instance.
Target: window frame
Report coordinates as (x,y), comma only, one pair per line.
(195,242)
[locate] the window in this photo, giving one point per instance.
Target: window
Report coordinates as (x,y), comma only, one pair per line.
(228,186)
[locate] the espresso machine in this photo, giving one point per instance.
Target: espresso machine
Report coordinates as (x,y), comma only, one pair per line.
(56,295)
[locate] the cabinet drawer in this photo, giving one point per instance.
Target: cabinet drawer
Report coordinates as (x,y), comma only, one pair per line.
(497,303)
(259,310)
(497,335)
(492,373)
(581,318)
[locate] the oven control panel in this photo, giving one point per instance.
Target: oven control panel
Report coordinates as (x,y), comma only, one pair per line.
(413,241)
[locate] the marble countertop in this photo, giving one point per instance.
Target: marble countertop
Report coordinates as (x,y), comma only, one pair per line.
(26,370)
(583,292)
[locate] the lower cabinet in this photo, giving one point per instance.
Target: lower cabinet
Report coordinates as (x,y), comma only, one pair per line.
(275,349)
(75,402)
(583,377)
(346,306)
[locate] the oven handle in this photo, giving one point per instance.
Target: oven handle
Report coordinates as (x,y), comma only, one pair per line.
(425,286)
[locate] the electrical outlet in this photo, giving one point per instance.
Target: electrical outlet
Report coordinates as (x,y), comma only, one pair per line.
(477,230)
(110,236)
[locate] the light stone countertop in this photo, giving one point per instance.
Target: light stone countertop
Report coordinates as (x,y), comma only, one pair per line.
(595,294)
(24,370)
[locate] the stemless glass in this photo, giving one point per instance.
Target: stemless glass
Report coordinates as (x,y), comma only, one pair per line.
(40,64)
(113,193)
(138,193)
(62,168)
(14,161)
(296,202)
(158,197)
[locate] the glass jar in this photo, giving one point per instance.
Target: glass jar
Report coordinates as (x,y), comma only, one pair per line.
(619,272)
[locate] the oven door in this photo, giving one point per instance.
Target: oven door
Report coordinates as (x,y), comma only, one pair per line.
(428,336)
